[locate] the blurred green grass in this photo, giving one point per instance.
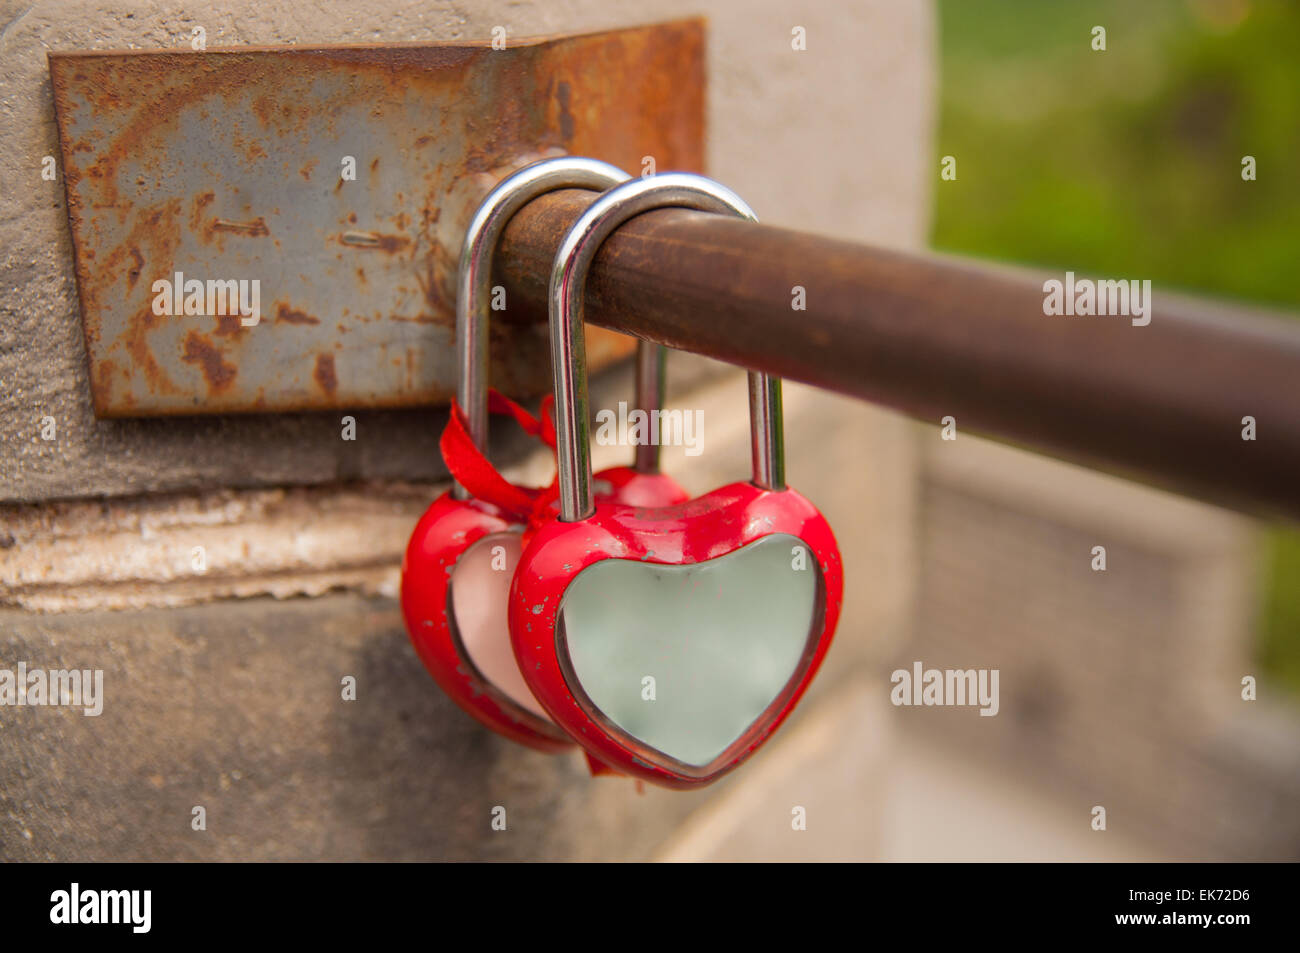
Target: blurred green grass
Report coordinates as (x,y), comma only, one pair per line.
(1127,163)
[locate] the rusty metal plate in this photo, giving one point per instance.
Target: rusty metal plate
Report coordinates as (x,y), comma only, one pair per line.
(234,165)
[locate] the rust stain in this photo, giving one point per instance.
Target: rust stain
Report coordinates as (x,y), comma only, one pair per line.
(136,339)
(229,326)
(157,230)
(102,381)
(428,282)
(563,95)
(263,107)
(203,353)
(287,315)
(308,168)
(324,373)
(197,208)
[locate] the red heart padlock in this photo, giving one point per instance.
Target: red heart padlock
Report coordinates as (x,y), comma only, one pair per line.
(670,642)
(458,564)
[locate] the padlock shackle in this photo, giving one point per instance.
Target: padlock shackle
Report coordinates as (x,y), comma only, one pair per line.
(568,341)
(474,276)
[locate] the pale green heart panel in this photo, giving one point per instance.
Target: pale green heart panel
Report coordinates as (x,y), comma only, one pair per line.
(721,639)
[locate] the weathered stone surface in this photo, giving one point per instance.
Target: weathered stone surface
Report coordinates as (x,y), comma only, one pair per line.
(1119,688)
(237,707)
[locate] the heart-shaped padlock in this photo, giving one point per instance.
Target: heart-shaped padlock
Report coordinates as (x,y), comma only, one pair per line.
(670,642)
(461,556)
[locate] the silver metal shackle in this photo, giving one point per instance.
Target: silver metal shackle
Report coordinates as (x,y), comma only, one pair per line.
(474,276)
(568,340)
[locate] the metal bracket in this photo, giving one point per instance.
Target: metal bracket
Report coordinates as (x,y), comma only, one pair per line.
(340,180)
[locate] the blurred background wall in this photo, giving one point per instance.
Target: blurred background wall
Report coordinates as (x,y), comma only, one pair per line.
(1125,686)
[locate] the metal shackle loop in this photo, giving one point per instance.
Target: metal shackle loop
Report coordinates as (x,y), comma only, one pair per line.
(568,344)
(474,277)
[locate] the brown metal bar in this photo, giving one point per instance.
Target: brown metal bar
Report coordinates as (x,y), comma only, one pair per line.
(933,337)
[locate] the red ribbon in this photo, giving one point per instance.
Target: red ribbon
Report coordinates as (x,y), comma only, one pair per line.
(471,468)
